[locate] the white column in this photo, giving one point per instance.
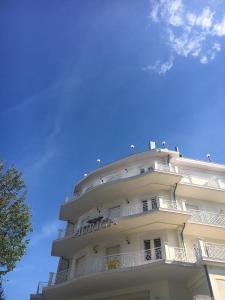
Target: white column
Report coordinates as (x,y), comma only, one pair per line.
(167,254)
(202,249)
(183,205)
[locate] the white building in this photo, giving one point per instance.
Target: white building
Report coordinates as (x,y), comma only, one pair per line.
(149,226)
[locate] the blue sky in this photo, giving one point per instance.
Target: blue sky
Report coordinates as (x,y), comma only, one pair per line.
(82,80)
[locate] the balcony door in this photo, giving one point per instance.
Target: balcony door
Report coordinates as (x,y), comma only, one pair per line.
(152,249)
(149,204)
(113,257)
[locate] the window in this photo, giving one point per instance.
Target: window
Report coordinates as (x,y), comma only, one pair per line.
(113,257)
(158,250)
(147,249)
(144,205)
(142,171)
(152,249)
(154,203)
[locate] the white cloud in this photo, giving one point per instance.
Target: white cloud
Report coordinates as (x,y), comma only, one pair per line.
(49,230)
(219,28)
(161,67)
(188,33)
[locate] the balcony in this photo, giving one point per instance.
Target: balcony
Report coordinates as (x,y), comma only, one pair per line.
(206,224)
(116,270)
(121,184)
(158,214)
(126,173)
(208,187)
(211,253)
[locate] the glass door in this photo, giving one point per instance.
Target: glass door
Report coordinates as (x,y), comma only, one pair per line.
(113,257)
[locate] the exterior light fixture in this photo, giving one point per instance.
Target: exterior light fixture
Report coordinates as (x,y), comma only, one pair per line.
(85,174)
(98,160)
(208,155)
(164,144)
(132,146)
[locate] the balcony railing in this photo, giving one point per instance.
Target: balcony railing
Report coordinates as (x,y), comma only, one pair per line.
(97,222)
(125,173)
(204,181)
(215,251)
(206,217)
(41,286)
(120,261)
(200,180)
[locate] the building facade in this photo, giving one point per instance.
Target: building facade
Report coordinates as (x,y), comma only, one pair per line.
(150,226)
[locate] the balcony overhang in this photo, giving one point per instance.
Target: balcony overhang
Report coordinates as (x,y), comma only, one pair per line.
(115,279)
(148,221)
(201,192)
(205,230)
(124,187)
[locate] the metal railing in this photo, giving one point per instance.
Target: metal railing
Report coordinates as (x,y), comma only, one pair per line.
(206,217)
(58,277)
(130,209)
(159,203)
(120,261)
(200,180)
(40,287)
(204,181)
(125,173)
(215,251)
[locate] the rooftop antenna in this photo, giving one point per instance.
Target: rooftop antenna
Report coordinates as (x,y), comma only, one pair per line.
(164,144)
(208,155)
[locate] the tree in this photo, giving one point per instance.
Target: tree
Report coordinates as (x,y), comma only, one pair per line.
(14,218)
(2,297)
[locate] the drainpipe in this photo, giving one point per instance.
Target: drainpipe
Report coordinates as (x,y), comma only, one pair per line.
(182,236)
(209,282)
(174,191)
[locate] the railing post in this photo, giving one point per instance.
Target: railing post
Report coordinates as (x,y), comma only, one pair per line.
(156,165)
(183,205)
(160,202)
(50,280)
(167,251)
(202,249)
(176,169)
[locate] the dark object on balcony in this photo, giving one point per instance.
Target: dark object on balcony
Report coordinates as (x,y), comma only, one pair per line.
(95,220)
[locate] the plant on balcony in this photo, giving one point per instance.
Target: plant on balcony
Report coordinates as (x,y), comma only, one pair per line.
(113,264)
(14,218)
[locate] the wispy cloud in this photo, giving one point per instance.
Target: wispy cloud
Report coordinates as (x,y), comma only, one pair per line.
(48,231)
(187,33)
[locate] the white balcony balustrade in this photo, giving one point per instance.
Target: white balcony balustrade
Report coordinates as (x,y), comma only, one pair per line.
(153,204)
(199,180)
(206,217)
(121,261)
(204,181)
(125,173)
(98,222)
(211,251)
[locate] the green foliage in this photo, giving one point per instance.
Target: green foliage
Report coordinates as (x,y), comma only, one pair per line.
(14,218)
(2,297)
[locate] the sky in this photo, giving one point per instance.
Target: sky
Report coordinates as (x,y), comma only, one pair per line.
(82,80)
